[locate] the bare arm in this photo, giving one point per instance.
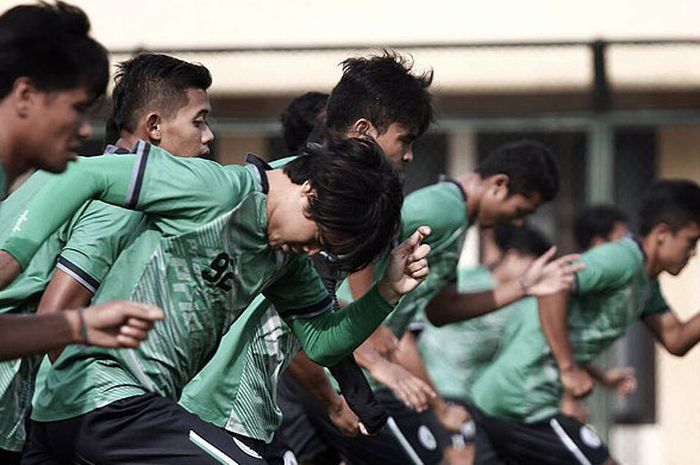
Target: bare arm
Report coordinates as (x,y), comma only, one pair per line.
(62,292)
(114,324)
(544,277)
(677,337)
(313,380)
(553,312)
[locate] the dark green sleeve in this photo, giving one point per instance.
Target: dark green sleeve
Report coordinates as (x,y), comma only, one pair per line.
(332,335)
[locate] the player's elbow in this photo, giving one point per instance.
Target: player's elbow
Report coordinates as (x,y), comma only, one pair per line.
(324,358)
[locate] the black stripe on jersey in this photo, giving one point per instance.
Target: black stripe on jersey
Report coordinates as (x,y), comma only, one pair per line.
(311,311)
(75,272)
(262,166)
(444,178)
(138,179)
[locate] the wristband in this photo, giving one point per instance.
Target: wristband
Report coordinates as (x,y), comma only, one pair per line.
(83,327)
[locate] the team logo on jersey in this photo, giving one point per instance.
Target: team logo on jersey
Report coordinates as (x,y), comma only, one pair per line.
(590,438)
(426,438)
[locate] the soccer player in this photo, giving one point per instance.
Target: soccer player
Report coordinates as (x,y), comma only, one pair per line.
(455,354)
(517,397)
(302,120)
(510,184)
(597,224)
(234,233)
(239,392)
(156,98)
(50,73)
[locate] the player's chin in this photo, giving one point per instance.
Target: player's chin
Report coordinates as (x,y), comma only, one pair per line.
(59,164)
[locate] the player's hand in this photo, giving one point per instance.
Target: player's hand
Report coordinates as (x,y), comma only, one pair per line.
(384,342)
(452,416)
(576,381)
(622,380)
(407,267)
(411,390)
(345,419)
(575,408)
(118,323)
(546,276)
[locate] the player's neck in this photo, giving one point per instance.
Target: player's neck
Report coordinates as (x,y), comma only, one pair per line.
(651,264)
(13,163)
(279,187)
(127,140)
(471,185)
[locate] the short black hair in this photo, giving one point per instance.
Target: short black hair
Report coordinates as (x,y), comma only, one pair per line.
(151,81)
(526,239)
(530,166)
(357,201)
(49,44)
(596,220)
(302,116)
(382,89)
(675,202)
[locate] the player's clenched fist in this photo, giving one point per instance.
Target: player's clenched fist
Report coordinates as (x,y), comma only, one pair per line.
(116,324)
(407,267)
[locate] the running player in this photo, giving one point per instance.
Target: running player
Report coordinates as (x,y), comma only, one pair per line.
(72,263)
(510,184)
(50,73)
(518,418)
(235,232)
(239,393)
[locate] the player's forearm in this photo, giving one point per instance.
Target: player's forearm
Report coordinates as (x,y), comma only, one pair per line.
(313,380)
(553,313)
(22,335)
(685,337)
(408,356)
(105,178)
(450,306)
(329,337)
(597,373)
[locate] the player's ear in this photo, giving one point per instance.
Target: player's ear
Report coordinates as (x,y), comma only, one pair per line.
(498,185)
(362,128)
(24,93)
(153,128)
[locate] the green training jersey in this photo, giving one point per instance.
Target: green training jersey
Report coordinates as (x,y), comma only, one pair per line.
(237,389)
(442,206)
(203,264)
(84,247)
(457,353)
(611,293)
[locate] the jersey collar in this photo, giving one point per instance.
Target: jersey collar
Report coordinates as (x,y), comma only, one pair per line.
(457,184)
(262,166)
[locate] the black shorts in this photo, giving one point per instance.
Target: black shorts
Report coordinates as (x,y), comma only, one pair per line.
(8,457)
(558,440)
(314,434)
(147,429)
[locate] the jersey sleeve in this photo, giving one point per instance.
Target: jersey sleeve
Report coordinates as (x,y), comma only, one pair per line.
(331,335)
(95,240)
(608,267)
(439,206)
(177,191)
(656,303)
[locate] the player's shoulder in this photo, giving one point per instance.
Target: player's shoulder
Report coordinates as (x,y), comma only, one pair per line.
(625,251)
(440,206)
